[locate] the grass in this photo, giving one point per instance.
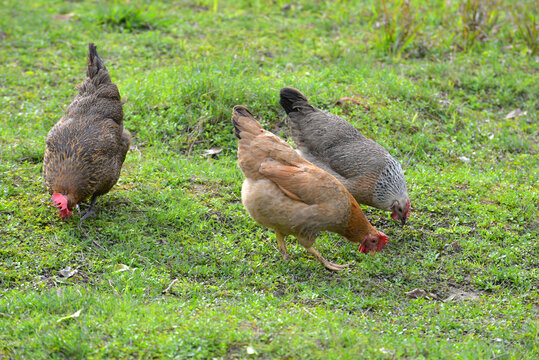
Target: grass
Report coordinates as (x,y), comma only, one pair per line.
(172,266)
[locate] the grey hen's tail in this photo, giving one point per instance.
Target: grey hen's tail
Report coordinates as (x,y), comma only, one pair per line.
(291,97)
(95,64)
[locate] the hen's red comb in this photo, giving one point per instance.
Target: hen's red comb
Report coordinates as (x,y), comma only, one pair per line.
(60,201)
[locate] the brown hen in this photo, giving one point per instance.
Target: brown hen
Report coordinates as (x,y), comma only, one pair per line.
(287,193)
(85,150)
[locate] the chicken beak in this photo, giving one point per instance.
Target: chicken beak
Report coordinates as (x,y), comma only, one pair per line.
(403,221)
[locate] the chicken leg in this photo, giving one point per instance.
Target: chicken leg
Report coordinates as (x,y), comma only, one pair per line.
(328,265)
(282,246)
(91,210)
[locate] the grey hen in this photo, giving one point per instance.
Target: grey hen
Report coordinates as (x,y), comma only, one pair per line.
(364,167)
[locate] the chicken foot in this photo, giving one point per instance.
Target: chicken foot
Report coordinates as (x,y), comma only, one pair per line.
(282,246)
(328,265)
(91,210)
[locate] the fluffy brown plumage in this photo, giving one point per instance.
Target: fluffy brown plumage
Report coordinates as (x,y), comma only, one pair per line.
(364,167)
(85,150)
(285,192)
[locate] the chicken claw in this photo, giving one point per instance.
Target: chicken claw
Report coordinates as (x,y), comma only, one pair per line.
(90,212)
(328,265)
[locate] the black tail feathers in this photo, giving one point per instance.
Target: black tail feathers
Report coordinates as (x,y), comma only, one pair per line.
(236,130)
(94,61)
(289,96)
(244,122)
(241,111)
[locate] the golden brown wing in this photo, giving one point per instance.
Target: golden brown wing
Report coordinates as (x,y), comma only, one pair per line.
(306,183)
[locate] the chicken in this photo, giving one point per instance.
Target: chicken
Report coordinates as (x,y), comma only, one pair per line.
(285,192)
(85,150)
(364,167)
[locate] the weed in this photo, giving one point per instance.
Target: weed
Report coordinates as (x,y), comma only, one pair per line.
(129,16)
(477,21)
(528,29)
(397,28)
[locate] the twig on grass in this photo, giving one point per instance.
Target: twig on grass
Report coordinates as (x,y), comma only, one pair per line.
(170,286)
(310,313)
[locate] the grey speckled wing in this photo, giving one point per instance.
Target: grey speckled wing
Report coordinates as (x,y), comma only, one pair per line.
(367,170)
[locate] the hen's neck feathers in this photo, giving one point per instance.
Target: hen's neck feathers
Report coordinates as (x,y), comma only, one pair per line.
(391,185)
(357,226)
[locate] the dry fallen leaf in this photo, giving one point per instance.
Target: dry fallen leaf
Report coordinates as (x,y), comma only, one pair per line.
(464,159)
(420,293)
(76,314)
(515,113)
(213,151)
(67,272)
(121,268)
(64,17)
(444,102)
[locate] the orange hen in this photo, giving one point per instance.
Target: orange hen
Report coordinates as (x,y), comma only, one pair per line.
(287,193)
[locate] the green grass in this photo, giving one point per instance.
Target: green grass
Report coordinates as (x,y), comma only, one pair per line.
(173,266)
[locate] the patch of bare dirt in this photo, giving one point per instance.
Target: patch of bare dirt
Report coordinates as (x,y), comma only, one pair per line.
(459,294)
(199,187)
